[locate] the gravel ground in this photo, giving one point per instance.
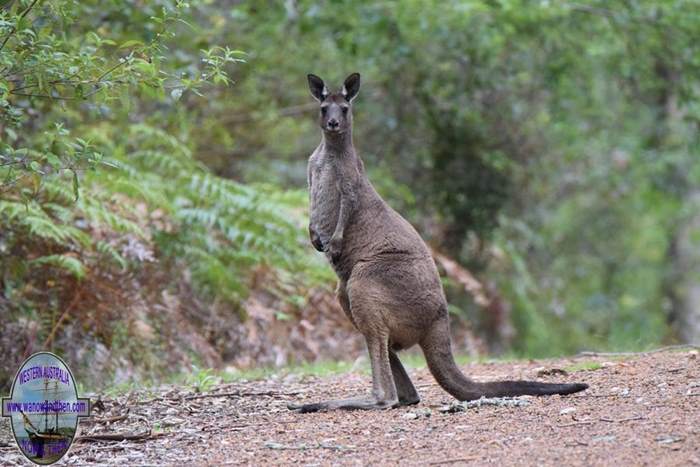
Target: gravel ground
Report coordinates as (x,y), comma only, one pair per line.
(640,410)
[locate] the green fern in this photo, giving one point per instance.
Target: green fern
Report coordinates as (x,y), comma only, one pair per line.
(68,263)
(218,229)
(107,251)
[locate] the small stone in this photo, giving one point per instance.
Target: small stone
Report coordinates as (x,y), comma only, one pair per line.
(605,439)
(292,378)
(668,439)
(551,372)
(232,370)
(452,408)
(172,421)
(567,410)
(419,413)
(475,404)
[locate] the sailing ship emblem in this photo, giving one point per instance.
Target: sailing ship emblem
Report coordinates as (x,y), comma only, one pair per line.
(44,408)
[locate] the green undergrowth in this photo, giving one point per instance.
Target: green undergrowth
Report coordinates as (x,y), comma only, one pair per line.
(205,379)
(153,227)
(583,366)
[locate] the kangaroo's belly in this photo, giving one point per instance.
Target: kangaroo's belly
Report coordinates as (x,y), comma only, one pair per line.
(324,203)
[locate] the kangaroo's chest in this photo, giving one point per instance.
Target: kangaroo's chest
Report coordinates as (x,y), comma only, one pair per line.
(324,199)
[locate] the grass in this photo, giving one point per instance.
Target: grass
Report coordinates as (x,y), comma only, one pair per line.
(415,360)
(322,368)
(584,366)
(204,379)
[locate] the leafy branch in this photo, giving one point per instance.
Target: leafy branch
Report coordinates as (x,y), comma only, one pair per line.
(13,30)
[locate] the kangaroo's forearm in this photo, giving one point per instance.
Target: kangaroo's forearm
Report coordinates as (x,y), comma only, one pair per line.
(315,239)
(347,206)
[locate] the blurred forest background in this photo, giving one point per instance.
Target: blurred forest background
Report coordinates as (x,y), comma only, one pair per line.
(153,207)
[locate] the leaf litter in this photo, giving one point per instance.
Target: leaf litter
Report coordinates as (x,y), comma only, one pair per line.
(653,421)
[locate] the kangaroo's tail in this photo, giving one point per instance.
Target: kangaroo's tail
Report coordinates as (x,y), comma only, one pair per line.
(438,353)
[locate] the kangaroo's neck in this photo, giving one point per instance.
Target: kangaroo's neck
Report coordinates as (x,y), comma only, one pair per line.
(338,144)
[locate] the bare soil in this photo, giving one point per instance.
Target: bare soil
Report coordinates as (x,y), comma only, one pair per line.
(640,410)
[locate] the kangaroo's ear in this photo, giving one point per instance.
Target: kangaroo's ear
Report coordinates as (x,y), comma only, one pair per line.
(351,86)
(318,87)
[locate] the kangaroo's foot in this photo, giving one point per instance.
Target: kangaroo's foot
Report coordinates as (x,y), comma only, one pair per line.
(384,393)
(406,402)
(404,387)
(358,403)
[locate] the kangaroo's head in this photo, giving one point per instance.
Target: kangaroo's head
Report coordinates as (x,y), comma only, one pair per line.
(335,115)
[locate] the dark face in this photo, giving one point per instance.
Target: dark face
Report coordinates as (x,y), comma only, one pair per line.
(335,115)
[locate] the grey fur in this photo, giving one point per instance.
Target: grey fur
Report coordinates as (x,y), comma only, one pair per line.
(389,286)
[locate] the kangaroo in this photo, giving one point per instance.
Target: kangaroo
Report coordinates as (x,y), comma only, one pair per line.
(389,285)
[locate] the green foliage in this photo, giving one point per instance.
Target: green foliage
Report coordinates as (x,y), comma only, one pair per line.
(551,147)
(99,190)
(583,366)
(72,265)
(202,379)
(218,227)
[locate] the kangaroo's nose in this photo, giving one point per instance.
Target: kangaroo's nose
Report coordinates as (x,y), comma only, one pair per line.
(333,124)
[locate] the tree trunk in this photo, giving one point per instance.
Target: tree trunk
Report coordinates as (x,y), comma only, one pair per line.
(684,284)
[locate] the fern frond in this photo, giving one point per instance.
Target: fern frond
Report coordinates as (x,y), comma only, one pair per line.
(108,251)
(69,263)
(100,215)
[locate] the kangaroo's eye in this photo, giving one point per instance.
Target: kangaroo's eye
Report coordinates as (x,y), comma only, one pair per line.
(345,110)
(324,110)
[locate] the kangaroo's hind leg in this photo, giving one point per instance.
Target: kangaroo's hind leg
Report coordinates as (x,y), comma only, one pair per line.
(404,387)
(384,393)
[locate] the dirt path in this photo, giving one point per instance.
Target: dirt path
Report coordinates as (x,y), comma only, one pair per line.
(640,410)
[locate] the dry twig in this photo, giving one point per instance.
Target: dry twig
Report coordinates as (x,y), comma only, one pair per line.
(242,394)
(631,354)
(628,419)
(120,436)
(116,418)
(454,460)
